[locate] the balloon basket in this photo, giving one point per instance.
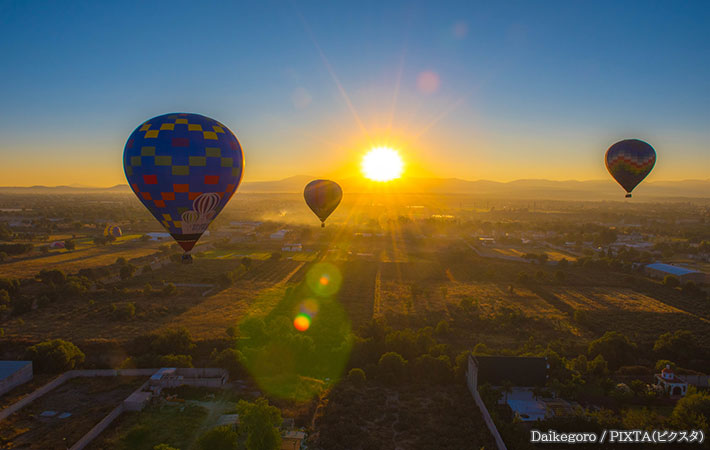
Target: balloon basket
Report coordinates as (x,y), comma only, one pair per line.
(187,258)
(628,195)
(322,225)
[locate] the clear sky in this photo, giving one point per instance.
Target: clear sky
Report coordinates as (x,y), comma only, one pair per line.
(474,90)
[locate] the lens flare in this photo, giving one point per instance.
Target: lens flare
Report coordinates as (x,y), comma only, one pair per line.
(323,279)
(302,322)
(309,307)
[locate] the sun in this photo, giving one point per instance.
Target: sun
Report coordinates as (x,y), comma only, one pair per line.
(382,164)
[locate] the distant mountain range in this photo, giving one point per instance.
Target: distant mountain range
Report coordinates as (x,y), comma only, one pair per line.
(529,189)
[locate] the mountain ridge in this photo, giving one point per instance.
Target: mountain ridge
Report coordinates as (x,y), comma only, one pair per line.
(526,188)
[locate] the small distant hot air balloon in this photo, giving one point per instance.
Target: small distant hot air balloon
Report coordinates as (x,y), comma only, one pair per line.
(184,168)
(323,196)
(113,230)
(629,162)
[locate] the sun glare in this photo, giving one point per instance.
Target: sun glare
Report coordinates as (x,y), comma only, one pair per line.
(382,164)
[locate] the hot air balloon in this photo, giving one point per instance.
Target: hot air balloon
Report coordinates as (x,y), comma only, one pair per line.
(113,230)
(629,162)
(323,196)
(184,168)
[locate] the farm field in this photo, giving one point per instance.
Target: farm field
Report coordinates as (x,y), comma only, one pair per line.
(70,262)
(88,400)
(409,416)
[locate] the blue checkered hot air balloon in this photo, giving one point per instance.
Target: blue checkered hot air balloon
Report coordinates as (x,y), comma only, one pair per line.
(184,168)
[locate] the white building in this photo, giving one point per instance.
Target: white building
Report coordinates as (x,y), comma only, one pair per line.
(674,386)
(292,248)
(279,235)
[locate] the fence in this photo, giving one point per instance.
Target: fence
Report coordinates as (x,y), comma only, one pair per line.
(489,421)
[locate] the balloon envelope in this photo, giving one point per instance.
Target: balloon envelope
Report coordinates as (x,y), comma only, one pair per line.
(323,196)
(113,230)
(184,168)
(629,162)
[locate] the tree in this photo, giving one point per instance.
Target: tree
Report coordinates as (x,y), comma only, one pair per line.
(662,363)
(4,299)
(616,349)
(177,341)
(246,262)
(357,377)
(671,281)
(175,361)
(391,367)
(121,261)
(127,271)
(692,411)
(52,277)
(169,290)
(123,311)
(230,359)
(3,256)
(164,447)
(260,422)
(55,356)
(219,438)
(681,345)
(69,245)
(146,269)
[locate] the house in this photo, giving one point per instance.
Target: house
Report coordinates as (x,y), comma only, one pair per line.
(279,235)
(292,248)
(660,270)
(674,386)
(14,373)
(291,440)
(159,236)
(137,401)
(521,374)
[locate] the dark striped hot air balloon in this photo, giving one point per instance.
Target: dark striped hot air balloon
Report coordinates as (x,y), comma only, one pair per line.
(113,230)
(322,196)
(184,168)
(629,162)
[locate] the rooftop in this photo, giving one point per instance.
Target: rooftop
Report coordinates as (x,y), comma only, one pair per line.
(673,270)
(518,370)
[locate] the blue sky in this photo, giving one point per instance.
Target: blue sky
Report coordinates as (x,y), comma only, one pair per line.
(520,90)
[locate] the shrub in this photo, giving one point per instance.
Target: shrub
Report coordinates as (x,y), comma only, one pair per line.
(123,311)
(169,290)
(55,356)
(175,361)
(230,359)
(391,367)
(52,276)
(219,438)
(671,281)
(127,271)
(357,377)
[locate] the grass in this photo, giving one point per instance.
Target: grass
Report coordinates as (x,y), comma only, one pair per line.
(174,425)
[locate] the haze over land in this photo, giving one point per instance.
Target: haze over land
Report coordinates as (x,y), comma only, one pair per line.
(521,189)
